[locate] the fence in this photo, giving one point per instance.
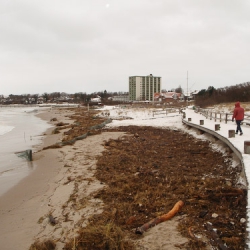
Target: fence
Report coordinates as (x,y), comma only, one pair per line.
(164,111)
(219,116)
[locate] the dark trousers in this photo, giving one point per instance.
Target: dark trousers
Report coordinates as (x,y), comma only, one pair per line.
(238,122)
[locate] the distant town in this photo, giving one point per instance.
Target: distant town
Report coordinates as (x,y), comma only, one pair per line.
(142,89)
(93,98)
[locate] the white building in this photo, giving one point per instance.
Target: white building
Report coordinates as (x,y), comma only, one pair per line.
(142,88)
(121,98)
(97,99)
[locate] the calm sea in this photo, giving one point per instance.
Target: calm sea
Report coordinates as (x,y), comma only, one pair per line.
(20,129)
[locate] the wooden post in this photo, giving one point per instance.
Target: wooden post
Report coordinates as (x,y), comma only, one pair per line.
(189,119)
(201,122)
(29,154)
(217,127)
(246,147)
(231,133)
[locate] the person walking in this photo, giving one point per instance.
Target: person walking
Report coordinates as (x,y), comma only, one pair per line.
(238,115)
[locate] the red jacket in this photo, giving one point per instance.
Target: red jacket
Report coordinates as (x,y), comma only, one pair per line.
(238,112)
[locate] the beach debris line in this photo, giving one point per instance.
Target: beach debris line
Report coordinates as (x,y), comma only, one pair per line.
(81,137)
(85,124)
(47,244)
(99,237)
(150,169)
(159,219)
(145,172)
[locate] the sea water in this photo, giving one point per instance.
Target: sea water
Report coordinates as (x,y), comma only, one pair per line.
(20,130)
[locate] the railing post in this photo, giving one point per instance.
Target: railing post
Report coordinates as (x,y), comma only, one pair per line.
(217,127)
(231,133)
(246,147)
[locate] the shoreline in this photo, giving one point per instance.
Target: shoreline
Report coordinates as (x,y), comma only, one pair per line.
(26,134)
(21,205)
(25,208)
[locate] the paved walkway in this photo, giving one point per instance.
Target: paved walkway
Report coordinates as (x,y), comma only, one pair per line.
(237,142)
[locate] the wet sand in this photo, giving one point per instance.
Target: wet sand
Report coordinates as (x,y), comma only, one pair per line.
(48,188)
(26,133)
(59,174)
(22,205)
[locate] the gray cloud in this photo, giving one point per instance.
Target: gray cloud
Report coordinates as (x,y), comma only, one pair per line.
(86,46)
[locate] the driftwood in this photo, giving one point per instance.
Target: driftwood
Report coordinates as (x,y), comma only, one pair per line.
(159,219)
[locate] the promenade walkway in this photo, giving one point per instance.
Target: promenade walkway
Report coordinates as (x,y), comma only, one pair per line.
(193,119)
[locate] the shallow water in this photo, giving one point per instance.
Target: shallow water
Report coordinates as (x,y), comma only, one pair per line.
(20,129)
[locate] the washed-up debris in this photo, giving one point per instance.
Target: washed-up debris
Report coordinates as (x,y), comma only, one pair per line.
(44,245)
(162,218)
(146,172)
(215,239)
(52,220)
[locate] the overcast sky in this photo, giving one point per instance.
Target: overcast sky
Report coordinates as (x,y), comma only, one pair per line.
(95,45)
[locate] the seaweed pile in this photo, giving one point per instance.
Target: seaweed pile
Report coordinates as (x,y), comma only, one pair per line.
(146,172)
(86,122)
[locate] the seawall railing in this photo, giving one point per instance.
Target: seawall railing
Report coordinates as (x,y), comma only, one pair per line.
(219,116)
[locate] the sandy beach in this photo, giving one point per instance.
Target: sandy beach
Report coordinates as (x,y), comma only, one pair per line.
(26,208)
(24,203)
(59,196)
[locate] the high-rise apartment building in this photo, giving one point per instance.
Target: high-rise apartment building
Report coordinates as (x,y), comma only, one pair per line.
(142,88)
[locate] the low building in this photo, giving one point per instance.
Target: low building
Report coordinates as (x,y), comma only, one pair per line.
(120,98)
(167,96)
(96,100)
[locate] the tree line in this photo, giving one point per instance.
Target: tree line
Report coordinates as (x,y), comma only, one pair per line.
(80,97)
(213,96)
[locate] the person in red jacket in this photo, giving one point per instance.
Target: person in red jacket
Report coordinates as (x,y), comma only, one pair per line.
(238,116)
